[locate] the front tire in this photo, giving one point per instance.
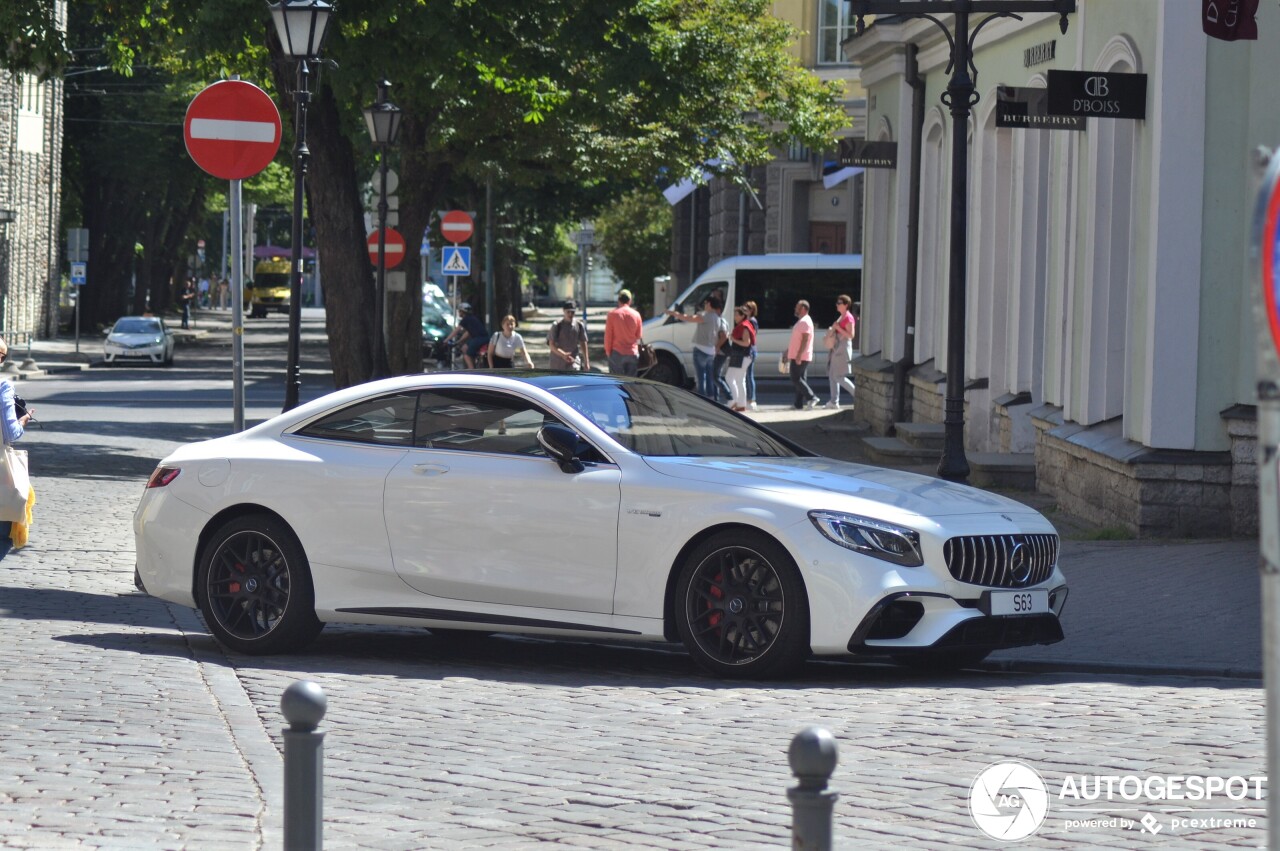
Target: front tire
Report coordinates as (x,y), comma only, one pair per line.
(255,587)
(741,608)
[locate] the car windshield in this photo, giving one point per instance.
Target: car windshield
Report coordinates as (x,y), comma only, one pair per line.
(658,420)
(134,325)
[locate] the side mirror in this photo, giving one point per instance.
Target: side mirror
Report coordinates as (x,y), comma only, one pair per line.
(561,443)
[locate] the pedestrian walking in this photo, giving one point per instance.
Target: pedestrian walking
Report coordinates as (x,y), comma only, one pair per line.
(742,340)
(12,425)
(752,310)
(567,338)
(507,345)
(711,332)
(799,356)
(623,330)
(839,339)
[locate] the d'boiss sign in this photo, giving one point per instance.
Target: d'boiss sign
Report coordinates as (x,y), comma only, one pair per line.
(1098,95)
(232,129)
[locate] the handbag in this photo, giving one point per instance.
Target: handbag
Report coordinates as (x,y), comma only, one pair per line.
(737,354)
(15,485)
(648,357)
(829,339)
(784,368)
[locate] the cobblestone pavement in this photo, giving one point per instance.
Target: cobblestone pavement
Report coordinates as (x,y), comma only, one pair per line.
(125,727)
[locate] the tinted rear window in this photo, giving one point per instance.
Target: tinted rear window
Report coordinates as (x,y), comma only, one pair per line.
(776,291)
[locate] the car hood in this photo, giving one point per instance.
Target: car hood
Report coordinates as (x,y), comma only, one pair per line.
(909,492)
(137,339)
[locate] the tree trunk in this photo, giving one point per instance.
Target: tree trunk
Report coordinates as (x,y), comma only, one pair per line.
(339,226)
(423,178)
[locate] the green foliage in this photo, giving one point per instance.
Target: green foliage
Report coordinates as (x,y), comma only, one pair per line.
(634,234)
(35,41)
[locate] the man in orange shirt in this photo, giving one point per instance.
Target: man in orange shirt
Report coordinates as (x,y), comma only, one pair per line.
(622,330)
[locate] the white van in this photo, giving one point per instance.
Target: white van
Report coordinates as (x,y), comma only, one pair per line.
(775,282)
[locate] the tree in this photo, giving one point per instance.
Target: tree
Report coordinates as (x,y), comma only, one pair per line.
(634,234)
(557,103)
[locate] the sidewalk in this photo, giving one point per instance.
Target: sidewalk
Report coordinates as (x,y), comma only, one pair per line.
(1178,607)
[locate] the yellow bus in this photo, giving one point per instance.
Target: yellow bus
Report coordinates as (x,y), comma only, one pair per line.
(269,290)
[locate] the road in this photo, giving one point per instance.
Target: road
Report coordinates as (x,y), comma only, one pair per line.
(126,727)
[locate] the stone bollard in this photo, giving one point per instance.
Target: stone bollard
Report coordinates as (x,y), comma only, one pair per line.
(303,705)
(813,758)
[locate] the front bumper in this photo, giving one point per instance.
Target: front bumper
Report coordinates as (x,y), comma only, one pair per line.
(915,621)
(154,354)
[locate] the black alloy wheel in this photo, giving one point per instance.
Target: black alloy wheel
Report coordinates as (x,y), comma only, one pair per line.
(255,587)
(741,608)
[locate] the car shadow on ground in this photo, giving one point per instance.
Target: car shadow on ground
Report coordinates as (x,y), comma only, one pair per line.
(85,461)
(421,655)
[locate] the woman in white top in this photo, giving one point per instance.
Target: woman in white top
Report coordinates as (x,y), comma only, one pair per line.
(506,345)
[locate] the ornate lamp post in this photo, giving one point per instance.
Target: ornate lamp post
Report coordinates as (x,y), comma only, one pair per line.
(383,121)
(302,26)
(960,97)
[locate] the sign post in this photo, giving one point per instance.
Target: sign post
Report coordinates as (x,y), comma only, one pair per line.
(1265,251)
(232,131)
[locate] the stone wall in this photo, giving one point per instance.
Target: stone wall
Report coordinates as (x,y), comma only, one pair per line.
(928,394)
(1242,427)
(873,403)
(1096,474)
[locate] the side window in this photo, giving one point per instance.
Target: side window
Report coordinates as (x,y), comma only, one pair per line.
(387,421)
(693,303)
(479,421)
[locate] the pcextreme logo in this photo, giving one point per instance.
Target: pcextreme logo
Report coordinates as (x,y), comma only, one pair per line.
(1008,801)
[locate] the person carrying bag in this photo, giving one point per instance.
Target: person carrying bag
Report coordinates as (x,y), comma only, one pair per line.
(16,495)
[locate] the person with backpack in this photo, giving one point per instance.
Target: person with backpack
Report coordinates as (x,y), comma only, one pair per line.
(567,337)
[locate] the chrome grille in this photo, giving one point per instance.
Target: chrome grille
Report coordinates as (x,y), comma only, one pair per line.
(1001,561)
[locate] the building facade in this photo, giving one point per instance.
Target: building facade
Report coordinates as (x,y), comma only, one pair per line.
(30,201)
(1109,328)
(792,209)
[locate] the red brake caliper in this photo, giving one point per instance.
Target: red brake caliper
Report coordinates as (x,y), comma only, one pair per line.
(234,587)
(716,592)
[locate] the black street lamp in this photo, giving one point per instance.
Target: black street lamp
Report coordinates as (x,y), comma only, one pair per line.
(383,121)
(301,26)
(960,97)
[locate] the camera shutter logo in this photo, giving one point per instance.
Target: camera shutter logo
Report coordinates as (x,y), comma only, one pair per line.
(1008,801)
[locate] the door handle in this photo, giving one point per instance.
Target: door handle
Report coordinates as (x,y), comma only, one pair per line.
(430,469)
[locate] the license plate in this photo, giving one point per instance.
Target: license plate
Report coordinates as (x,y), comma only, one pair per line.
(1032,602)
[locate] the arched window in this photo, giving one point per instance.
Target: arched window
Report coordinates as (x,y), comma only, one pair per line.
(931,288)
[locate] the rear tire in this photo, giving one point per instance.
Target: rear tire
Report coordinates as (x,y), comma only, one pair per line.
(741,608)
(667,370)
(254,587)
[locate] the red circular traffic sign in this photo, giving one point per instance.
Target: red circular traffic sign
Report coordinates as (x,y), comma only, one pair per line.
(457,226)
(232,129)
(394,248)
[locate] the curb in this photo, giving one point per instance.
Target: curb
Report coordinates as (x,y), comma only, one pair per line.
(1136,669)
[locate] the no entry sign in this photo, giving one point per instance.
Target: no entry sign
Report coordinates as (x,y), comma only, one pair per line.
(394,249)
(457,226)
(232,129)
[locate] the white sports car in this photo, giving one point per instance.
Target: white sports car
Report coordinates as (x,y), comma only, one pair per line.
(586,505)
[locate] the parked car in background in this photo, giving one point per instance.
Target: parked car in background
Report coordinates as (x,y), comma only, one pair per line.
(144,338)
(612,508)
(437,317)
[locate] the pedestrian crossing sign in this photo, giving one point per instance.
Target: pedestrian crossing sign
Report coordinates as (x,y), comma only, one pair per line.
(457,260)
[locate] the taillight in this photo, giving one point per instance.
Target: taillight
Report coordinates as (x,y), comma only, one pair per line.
(162,476)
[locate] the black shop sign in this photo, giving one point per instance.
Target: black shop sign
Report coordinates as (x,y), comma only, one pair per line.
(1017,106)
(1098,95)
(860,152)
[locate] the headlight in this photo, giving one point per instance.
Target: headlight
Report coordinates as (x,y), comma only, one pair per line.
(877,538)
